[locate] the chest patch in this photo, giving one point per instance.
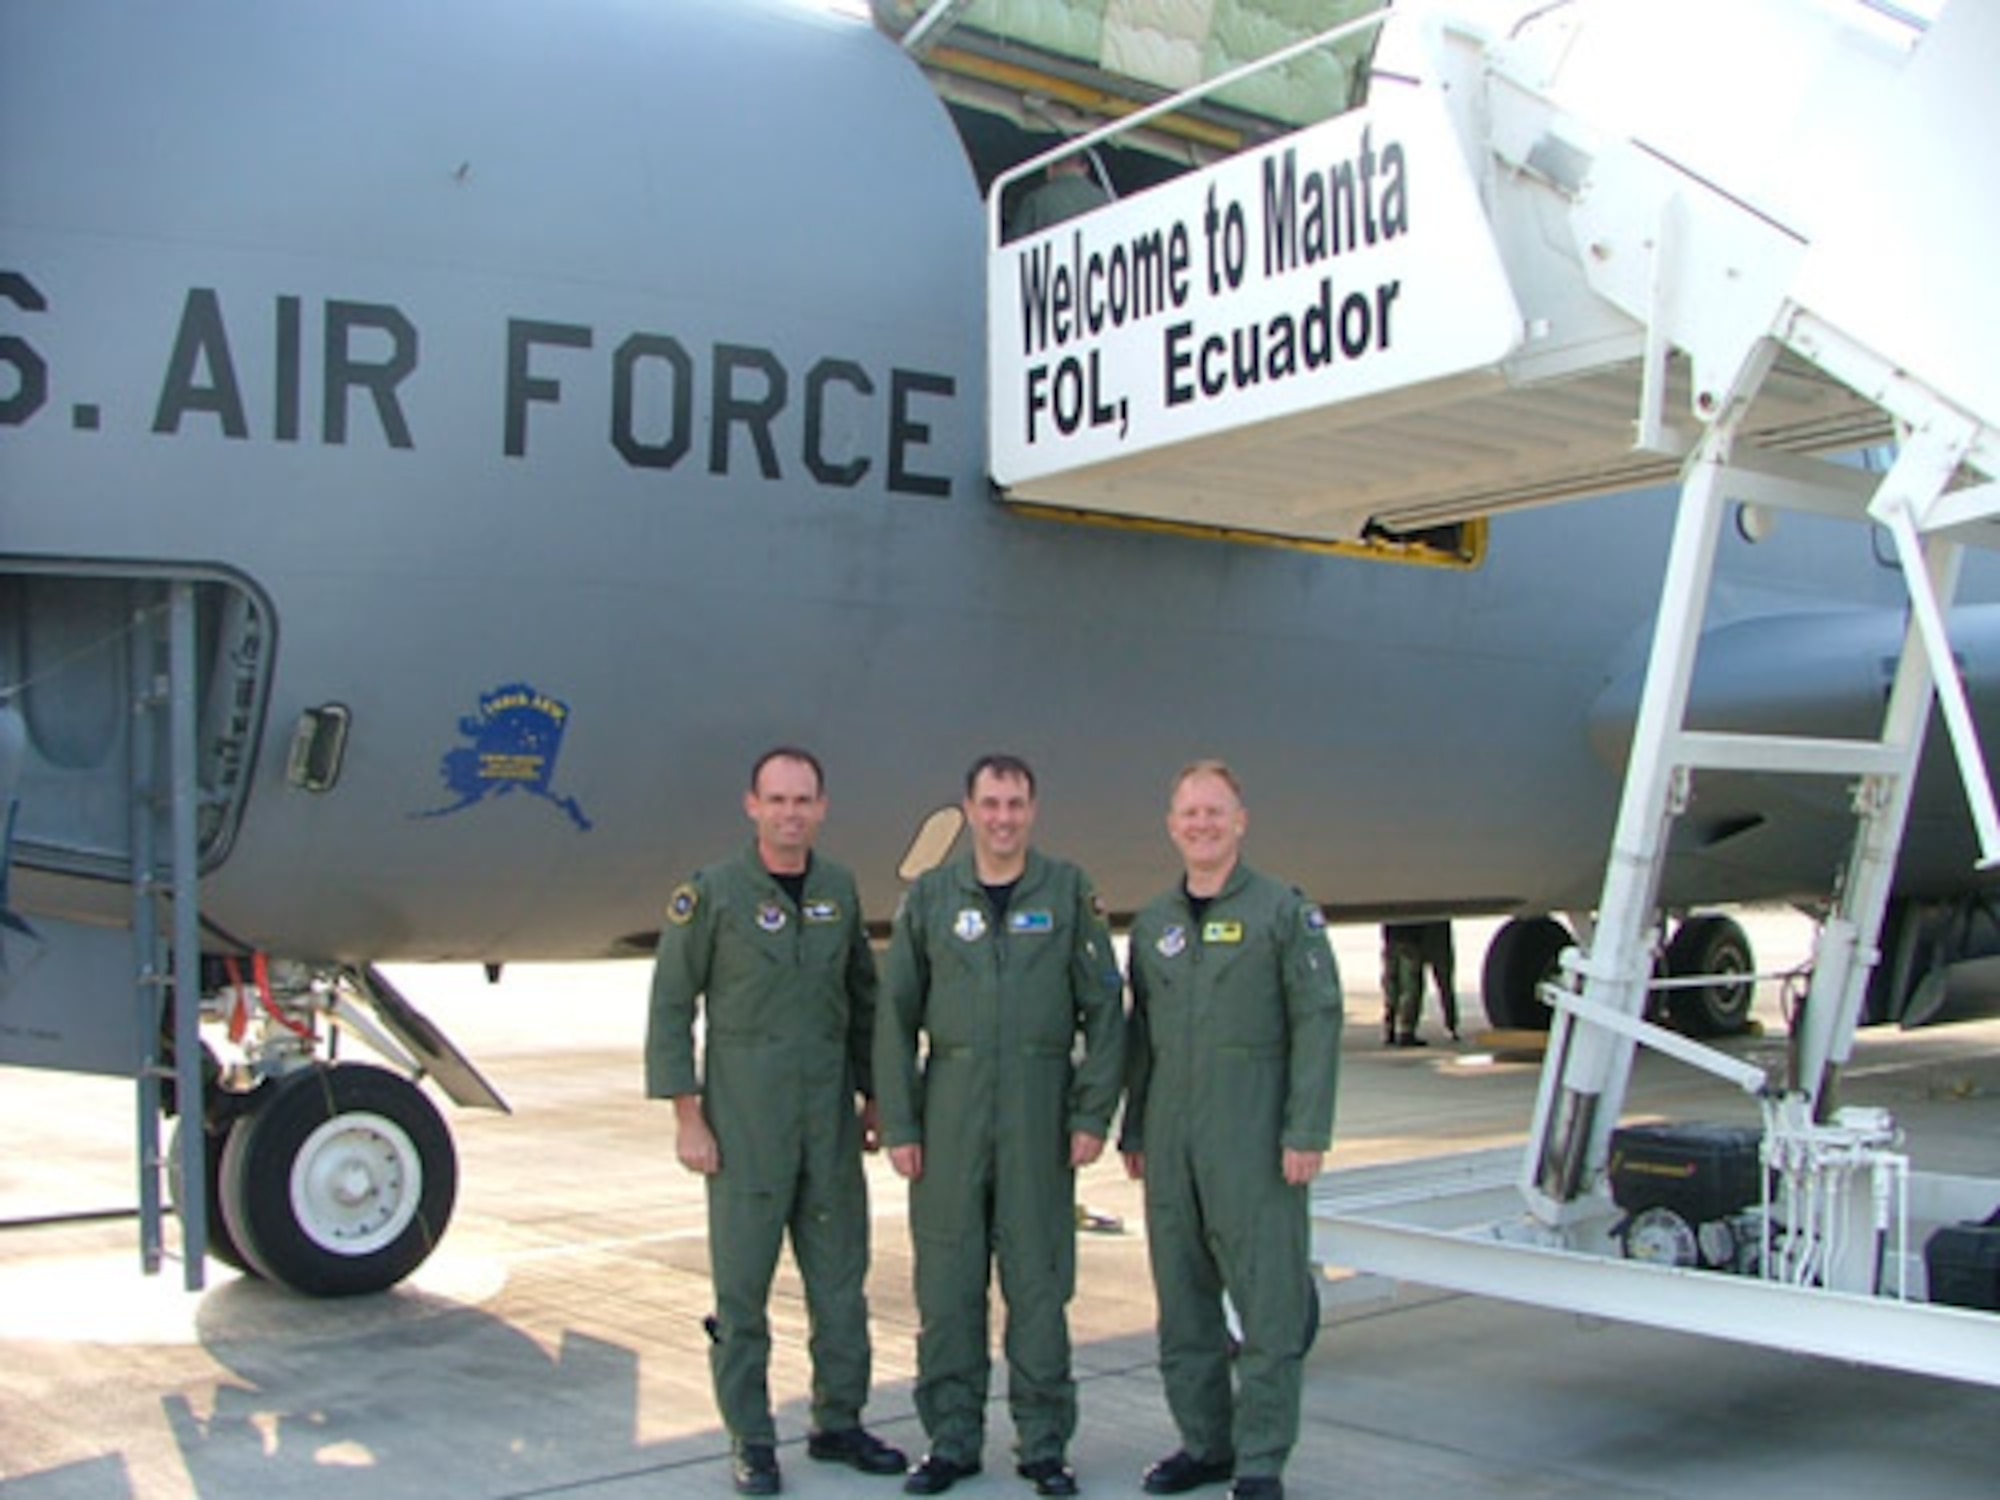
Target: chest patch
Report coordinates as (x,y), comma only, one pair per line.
(771,917)
(1172,943)
(1031,921)
(818,912)
(969,926)
(1222,932)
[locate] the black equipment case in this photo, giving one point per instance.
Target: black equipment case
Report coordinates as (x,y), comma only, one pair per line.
(1962,1264)
(1701,1172)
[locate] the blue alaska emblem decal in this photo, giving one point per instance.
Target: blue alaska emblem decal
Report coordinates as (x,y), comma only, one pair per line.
(512,744)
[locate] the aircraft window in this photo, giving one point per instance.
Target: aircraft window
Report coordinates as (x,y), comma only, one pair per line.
(319,745)
(933,842)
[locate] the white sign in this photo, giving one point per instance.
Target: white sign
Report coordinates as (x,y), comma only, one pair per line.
(1341,261)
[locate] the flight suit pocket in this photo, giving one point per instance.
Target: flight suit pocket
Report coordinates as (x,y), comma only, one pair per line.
(759,1148)
(951,1145)
(937,1206)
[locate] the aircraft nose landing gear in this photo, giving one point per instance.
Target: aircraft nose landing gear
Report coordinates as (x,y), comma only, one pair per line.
(341,1182)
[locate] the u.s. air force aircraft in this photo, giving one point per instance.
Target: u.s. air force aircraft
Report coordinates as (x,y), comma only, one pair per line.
(439,447)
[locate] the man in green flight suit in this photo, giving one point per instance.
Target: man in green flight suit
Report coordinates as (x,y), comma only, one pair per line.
(1001,959)
(1066,190)
(772,944)
(1230,1075)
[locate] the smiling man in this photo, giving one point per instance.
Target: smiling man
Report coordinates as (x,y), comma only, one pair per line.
(1231,1062)
(771,945)
(1001,959)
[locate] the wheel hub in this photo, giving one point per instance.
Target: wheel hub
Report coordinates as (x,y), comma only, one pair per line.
(352,1185)
(356,1183)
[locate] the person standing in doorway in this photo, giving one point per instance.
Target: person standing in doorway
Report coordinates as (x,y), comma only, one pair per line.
(1068,188)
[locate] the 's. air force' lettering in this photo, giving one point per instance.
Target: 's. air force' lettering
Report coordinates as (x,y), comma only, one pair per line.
(31,374)
(201,371)
(758,414)
(654,381)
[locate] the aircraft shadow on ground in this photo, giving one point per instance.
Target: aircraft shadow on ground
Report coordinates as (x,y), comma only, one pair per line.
(429,1394)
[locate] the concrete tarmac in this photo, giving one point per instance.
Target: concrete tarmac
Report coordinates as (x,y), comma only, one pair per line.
(552,1346)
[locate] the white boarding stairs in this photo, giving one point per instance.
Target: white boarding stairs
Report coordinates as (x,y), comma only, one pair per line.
(1709,237)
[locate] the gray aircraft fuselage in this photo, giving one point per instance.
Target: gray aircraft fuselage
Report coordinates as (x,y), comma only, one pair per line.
(584,398)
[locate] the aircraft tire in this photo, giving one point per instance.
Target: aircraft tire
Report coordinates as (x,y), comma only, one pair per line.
(1523,953)
(341,1183)
(1711,945)
(221,1243)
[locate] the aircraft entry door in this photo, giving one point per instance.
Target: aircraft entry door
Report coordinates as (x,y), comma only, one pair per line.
(89,788)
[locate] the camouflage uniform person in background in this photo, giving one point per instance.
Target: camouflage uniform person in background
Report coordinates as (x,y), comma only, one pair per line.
(1408,949)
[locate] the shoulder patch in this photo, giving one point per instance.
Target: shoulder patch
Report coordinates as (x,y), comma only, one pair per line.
(1314,917)
(681,905)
